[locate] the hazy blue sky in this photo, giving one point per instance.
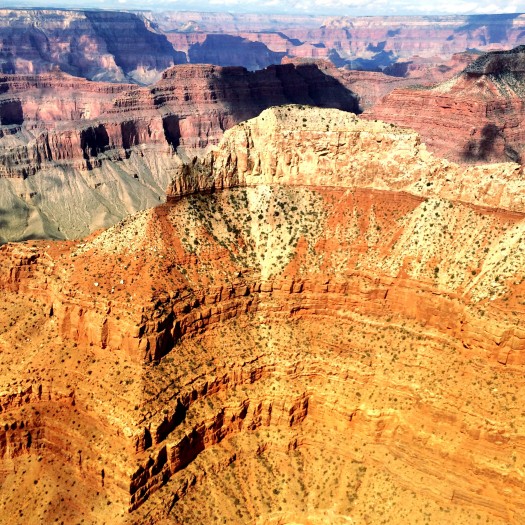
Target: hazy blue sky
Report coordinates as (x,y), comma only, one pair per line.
(317,7)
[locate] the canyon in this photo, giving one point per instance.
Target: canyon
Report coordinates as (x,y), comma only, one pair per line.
(369,43)
(100,151)
(322,324)
(261,269)
(137,46)
(78,155)
(78,124)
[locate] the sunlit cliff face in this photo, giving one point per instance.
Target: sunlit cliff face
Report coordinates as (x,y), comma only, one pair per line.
(273,346)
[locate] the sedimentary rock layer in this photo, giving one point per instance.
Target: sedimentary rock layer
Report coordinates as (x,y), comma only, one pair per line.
(477,116)
(273,346)
(105,150)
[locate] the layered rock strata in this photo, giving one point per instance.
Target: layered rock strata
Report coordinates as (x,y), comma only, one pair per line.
(105,150)
(99,45)
(137,47)
(309,337)
(474,117)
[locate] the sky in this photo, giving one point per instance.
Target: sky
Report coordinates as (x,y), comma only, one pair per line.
(314,7)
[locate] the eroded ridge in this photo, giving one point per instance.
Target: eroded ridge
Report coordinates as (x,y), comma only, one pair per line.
(274,352)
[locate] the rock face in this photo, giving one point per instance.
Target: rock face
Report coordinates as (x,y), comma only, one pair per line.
(99,45)
(110,148)
(475,117)
(366,43)
(318,327)
(137,47)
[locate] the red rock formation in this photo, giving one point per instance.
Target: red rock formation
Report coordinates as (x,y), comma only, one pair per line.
(475,117)
(372,86)
(326,338)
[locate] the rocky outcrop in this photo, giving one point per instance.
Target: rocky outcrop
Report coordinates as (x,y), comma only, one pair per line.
(474,117)
(297,147)
(345,332)
(189,107)
(111,148)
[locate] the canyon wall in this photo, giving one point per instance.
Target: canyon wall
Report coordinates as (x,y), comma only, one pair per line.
(301,313)
(107,150)
(474,117)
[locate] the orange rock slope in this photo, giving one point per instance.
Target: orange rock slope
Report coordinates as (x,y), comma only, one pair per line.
(322,325)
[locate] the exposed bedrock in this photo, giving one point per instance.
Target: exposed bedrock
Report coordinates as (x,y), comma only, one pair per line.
(475,117)
(274,347)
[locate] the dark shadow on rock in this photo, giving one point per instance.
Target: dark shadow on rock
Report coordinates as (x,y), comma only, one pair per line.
(484,148)
(378,62)
(4,214)
(229,50)
(131,43)
(11,113)
(378,48)
(171,126)
(130,134)
(93,141)
(336,59)
(249,93)
(399,69)
(512,154)
(496,27)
